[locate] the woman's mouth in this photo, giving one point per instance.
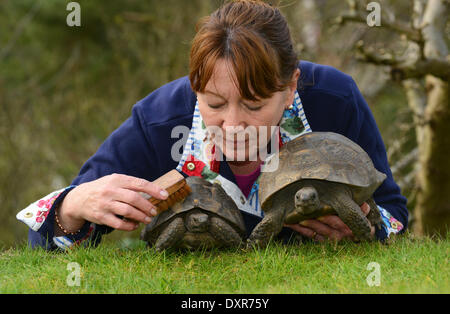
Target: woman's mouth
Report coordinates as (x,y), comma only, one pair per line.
(235,143)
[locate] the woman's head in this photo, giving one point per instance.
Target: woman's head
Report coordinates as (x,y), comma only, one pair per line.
(243,66)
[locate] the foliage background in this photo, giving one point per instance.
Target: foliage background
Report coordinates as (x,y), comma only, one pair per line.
(63,89)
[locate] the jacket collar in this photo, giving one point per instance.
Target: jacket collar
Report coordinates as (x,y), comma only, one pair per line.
(306,75)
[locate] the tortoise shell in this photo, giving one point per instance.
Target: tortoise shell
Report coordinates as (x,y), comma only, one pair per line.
(322,156)
(206,196)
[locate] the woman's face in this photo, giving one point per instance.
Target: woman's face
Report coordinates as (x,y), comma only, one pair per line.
(222,107)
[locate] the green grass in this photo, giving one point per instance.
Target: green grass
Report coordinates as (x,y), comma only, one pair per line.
(407,265)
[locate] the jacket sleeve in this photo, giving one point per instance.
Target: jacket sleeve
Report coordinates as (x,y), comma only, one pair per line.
(360,126)
(127,151)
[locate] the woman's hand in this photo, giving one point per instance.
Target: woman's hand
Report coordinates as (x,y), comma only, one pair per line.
(100,202)
(329,227)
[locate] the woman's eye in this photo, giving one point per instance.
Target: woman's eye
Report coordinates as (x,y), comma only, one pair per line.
(253,108)
(215,106)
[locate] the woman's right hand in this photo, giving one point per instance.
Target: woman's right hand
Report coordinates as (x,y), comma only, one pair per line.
(100,202)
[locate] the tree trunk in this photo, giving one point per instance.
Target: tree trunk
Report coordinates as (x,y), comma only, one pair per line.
(433,200)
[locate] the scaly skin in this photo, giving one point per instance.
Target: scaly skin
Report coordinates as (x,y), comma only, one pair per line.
(268,227)
(352,215)
(374,215)
(172,234)
(224,234)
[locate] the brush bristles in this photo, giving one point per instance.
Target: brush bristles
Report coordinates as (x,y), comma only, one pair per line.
(174,198)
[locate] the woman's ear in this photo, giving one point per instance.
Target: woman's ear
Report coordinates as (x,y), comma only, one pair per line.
(292,88)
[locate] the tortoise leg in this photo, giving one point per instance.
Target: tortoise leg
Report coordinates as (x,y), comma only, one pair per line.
(268,227)
(171,234)
(374,215)
(224,233)
(352,215)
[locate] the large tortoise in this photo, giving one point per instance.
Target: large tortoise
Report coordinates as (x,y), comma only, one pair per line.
(319,173)
(206,218)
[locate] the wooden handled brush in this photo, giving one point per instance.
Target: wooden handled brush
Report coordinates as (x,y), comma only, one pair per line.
(175,184)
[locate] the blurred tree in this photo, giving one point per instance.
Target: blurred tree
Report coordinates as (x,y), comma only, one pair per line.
(423,68)
(64,89)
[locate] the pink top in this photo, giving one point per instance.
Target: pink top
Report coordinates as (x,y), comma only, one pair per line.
(245,182)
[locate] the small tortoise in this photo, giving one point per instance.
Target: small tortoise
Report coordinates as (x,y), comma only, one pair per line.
(319,173)
(206,218)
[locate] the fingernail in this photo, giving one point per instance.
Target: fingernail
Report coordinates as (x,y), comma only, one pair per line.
(164,193)
(148,219)
(153,212)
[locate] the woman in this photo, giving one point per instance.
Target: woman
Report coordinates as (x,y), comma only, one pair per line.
(243,73)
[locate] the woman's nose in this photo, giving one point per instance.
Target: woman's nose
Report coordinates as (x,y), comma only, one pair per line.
(233,119)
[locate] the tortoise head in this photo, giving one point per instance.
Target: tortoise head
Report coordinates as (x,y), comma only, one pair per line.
(197,221)
(306,200)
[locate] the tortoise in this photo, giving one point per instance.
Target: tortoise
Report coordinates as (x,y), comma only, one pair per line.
(206,218)
(319,173)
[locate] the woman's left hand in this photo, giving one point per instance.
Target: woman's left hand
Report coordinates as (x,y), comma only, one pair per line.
(329,227)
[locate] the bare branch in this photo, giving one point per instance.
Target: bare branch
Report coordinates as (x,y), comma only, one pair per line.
(417,13)
(403,70)
(406,160)
(407,180)
(398,27)
(21,25)
(416,95)
(395,146)
(436,67)
(370,56)
(433,29)
(417,101)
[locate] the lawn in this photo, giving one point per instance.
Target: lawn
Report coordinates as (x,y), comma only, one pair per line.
(407,265)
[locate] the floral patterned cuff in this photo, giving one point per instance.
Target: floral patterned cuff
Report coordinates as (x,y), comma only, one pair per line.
(36,213)
(39,217)
(391,225)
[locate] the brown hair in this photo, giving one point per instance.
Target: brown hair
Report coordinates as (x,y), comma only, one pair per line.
(255,38)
